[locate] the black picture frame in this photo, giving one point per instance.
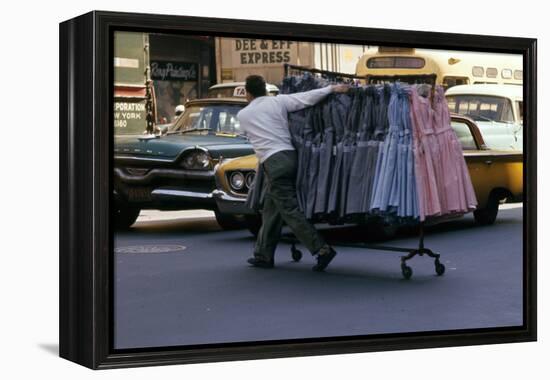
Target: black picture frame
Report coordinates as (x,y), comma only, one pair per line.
(86,266)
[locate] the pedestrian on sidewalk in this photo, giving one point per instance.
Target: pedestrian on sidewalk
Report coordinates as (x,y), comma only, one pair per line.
(265,121)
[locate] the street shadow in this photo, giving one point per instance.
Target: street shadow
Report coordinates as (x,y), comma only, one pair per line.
(52,348)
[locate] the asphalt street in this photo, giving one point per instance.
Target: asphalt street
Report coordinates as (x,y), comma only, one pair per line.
(184,281)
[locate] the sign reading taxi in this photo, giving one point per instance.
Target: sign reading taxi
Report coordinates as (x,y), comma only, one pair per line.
(239,91)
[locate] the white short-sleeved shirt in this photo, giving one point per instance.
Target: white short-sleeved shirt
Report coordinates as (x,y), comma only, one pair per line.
(265,120)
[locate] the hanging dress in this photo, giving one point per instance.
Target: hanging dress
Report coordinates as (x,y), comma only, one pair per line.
(456,189)
(341,107)
(384,192)
(375,144)
(311,176)
(326,159)
(349,145)
(424,148)
(362,169)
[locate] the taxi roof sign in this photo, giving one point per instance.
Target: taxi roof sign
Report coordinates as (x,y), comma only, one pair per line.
(239,91)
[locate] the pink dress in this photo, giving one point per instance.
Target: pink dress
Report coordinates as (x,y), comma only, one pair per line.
(426,156)
(455,186)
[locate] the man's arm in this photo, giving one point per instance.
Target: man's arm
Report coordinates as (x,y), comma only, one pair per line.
(301,100)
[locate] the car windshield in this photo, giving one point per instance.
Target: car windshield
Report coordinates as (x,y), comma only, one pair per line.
(213,118)
(482,107)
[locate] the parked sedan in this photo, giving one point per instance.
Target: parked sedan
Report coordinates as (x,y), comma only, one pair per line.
(496,176)
(175,171)
(496,108)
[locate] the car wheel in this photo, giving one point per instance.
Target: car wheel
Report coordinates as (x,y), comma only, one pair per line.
(125,216)
(487,216)
(228,221)
(254,223)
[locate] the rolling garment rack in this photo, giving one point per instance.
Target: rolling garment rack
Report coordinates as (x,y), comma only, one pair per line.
(405,269)
(420,250)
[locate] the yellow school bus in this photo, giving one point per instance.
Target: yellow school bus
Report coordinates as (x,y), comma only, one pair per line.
(447,68)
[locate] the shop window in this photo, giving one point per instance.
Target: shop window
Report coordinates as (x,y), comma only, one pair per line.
(449,82)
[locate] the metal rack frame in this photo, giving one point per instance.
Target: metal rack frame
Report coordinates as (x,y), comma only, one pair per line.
(406,270)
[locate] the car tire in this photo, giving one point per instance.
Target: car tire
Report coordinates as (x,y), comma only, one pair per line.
(254,223)
(229,221)
(487,216)
(125,216)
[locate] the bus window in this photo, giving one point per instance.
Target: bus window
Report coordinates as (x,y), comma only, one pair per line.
(451,104)
(478,71)
(491,72)
(506,74)
(395,63)
(449,81)
(482,107)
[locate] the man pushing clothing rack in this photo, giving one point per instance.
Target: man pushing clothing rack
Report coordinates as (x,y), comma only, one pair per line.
(265,122)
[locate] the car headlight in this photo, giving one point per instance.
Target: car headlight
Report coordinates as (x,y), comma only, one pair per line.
(249,179)
(236,180)
(197,160)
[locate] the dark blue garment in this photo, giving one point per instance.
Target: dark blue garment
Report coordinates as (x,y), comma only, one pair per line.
(362,168)
(341,107)
(326,160)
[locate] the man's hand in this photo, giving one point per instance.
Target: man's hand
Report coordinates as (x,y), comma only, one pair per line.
(340,88)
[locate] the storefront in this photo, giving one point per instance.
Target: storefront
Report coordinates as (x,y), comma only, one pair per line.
(131,100)
(182,68)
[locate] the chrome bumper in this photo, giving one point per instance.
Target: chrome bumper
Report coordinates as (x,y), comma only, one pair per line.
(163,173)
(229,204)
(182,194)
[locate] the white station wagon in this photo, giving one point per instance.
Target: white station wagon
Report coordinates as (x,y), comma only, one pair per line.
(497,110)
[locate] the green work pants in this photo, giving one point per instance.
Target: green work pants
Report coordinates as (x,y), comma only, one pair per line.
(281,204)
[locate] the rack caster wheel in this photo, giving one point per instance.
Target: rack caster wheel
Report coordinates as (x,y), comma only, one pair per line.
(296,254)
(406,271)
(439,268)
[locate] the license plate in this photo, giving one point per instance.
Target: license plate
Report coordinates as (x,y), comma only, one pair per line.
(139,194)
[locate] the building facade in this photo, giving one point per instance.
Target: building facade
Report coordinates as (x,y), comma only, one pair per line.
(236,58)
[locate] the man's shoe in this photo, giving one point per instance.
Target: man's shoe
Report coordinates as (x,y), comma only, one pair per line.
(254,261)
(324,259)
